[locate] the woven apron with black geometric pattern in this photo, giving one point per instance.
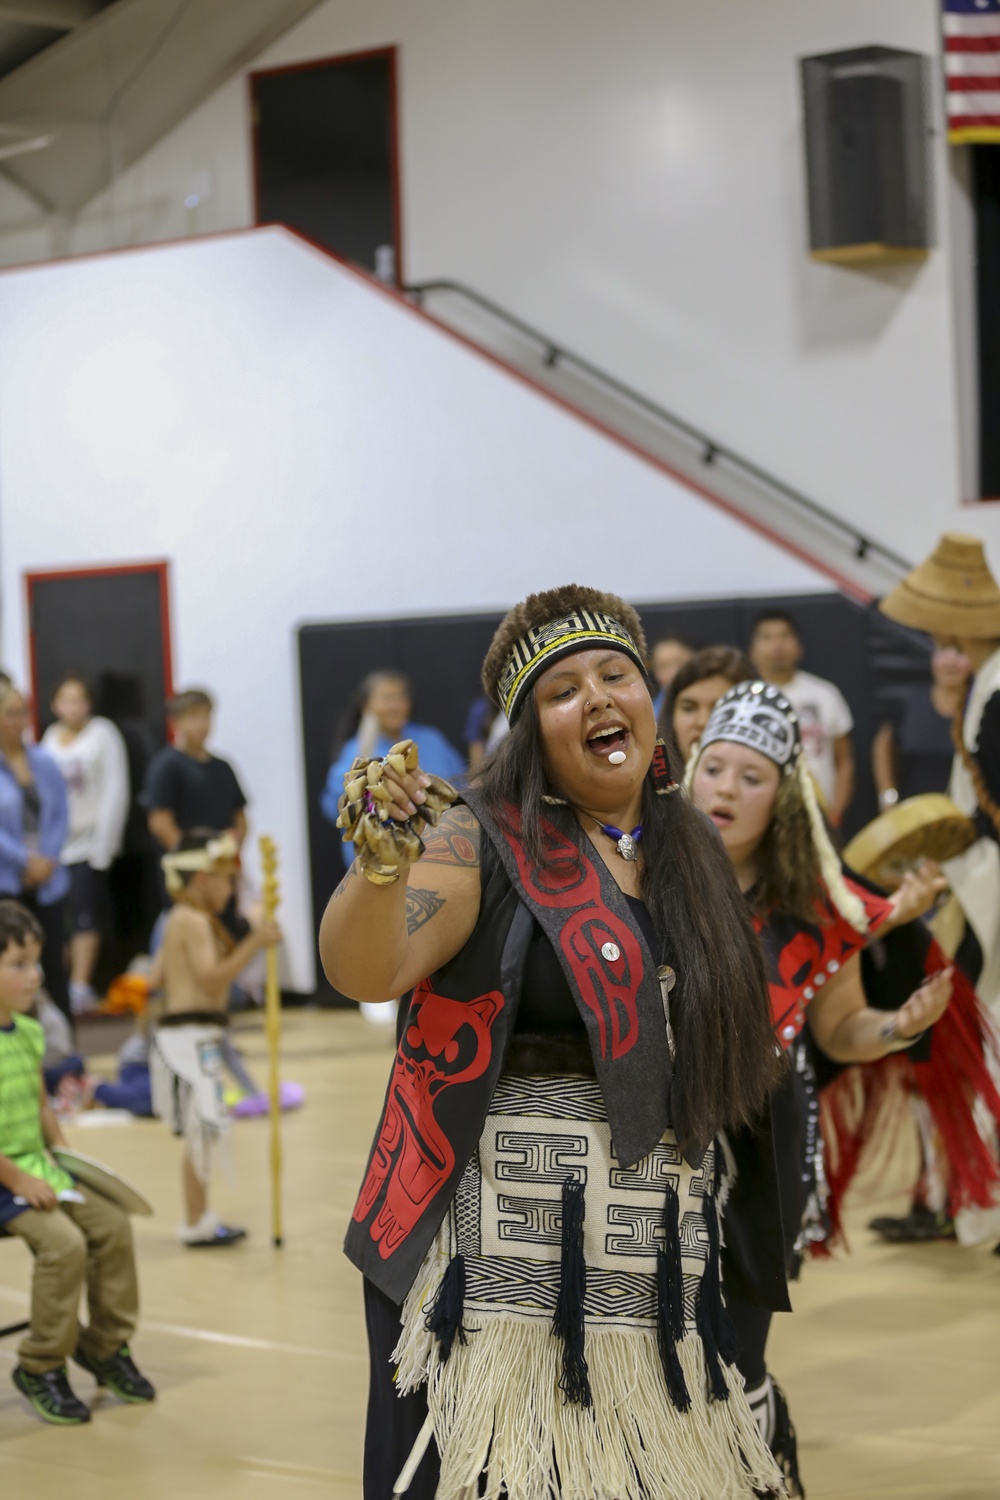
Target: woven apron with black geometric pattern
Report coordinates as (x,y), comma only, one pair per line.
(568,1319)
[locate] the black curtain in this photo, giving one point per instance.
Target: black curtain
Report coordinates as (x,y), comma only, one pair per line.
(986,190)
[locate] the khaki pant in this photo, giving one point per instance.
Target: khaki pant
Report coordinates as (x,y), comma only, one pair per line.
(75,1242)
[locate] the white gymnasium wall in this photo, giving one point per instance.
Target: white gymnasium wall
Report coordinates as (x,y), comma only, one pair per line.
(630,177)
(301,447)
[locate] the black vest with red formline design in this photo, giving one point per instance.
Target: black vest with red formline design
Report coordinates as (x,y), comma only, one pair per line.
(801,957)
(457,1027)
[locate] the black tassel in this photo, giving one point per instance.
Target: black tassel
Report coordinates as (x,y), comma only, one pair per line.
(444,1317)
(670,1303)
(716,1331)
(726,1336)
(568,1320)
(785,1446)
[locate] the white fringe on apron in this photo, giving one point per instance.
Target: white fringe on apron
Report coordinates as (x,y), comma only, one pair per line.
(493,1285)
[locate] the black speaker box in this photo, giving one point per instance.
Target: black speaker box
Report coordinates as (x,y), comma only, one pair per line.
(867,154)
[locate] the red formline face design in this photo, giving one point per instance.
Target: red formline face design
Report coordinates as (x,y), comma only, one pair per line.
(802,959)
(608,987)
(446,1042)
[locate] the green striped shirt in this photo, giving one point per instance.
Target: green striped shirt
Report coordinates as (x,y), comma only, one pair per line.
(22,1046)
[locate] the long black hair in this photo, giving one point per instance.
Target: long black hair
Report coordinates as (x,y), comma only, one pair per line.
(711,661)
(720,1010)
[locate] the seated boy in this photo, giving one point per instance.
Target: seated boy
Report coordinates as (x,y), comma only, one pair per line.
(199,960)
(76,1236)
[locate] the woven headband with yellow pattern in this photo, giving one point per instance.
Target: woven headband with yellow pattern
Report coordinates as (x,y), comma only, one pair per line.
(539,647)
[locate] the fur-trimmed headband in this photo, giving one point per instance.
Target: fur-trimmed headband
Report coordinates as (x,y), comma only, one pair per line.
(547,626)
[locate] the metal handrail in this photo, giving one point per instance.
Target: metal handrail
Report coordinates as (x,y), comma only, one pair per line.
(554,354)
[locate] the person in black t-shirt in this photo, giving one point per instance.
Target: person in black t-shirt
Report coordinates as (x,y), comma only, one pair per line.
(186,786)
(914,754)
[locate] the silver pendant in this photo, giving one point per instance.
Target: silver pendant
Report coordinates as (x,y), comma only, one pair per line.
(627,848)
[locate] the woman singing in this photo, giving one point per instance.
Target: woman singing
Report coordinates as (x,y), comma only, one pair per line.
(538,1225)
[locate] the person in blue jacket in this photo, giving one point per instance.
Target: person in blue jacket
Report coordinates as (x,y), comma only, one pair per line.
(34,821)
(383,705)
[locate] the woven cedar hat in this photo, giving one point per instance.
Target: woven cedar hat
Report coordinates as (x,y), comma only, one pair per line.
(952,593)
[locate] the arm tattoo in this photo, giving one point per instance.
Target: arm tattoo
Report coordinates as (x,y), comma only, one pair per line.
(347,880)
(420,907)
(455,840)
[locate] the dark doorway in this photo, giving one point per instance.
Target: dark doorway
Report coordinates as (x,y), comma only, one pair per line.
(112,626)
(986,199)
(326,155)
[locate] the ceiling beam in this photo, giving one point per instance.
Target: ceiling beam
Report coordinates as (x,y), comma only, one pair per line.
(60,15)
(19,148)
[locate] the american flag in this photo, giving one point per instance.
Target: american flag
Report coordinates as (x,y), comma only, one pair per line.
(972,69)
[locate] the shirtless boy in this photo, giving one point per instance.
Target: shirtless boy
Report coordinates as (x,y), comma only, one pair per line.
(199,961)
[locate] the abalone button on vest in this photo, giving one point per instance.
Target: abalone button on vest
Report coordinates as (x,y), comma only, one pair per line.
(611,952)
(833,966)
(788,1032)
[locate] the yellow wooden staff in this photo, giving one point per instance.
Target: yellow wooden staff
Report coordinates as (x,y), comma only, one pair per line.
(272,1017)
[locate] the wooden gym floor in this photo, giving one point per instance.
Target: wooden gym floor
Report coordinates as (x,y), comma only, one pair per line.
(891,1362)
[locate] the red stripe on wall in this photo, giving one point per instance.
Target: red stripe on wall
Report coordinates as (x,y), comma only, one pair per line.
(975,83)
(967,122)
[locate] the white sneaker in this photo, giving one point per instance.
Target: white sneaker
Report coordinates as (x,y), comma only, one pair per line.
(209,1231)
(81,999)
(381,1012)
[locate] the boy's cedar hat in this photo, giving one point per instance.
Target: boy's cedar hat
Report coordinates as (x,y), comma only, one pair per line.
(952,593)
(220,856)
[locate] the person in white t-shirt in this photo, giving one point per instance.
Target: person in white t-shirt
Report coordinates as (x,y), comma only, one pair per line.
(91,755)
(824,717)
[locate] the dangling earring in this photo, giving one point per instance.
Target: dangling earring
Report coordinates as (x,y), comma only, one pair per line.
(663,782)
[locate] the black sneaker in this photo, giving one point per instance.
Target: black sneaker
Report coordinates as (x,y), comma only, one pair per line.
(920,1225)
(119,1374)
(220,1238)
(51,1396)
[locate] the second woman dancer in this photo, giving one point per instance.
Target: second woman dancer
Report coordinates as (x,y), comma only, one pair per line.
(750,777)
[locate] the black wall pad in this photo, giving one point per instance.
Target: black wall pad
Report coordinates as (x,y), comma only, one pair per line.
(871,661)
(986,190)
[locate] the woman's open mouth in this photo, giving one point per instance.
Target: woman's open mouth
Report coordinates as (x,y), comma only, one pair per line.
(722,817)
(607,738)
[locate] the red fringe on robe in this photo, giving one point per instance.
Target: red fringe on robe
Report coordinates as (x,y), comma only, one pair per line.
(864,1106)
